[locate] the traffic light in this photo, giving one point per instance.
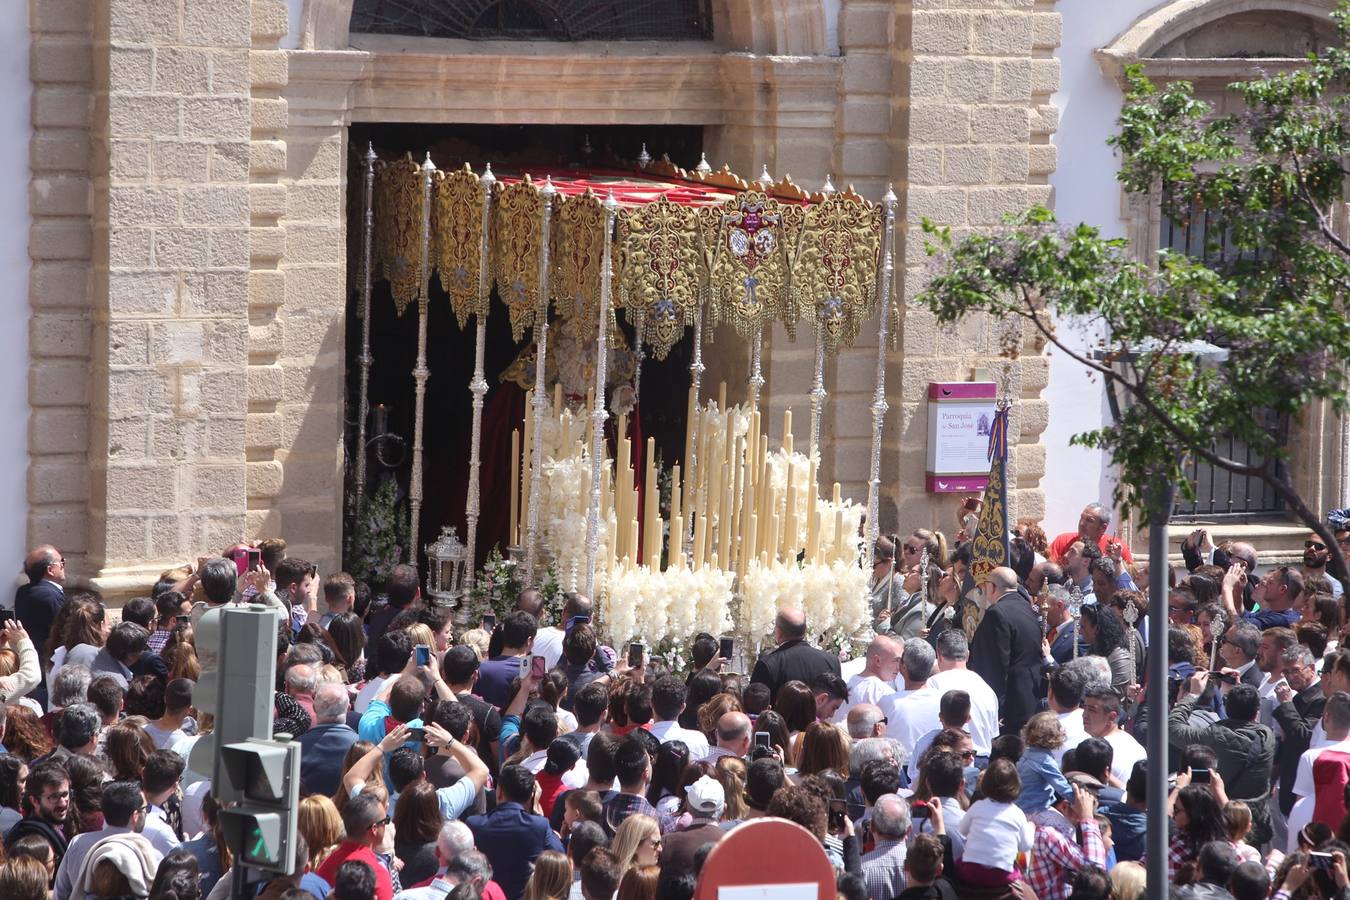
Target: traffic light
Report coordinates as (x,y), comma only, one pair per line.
(254,778)
(260,831)
(238,648)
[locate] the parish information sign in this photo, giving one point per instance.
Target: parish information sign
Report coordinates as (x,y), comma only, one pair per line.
(960,414)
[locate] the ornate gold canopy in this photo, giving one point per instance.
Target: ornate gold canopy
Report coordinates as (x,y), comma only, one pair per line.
(746,254)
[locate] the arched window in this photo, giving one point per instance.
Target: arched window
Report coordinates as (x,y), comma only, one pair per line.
(542,20)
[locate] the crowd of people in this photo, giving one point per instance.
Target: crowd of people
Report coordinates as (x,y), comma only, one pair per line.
(986,742)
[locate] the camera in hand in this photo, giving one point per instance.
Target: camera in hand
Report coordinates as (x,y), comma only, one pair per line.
(920,810)
(1321,860)
(1200,776)
(838,811)
(1225,677)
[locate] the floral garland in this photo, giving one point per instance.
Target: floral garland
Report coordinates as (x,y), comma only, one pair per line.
(498,587)
(673,605)
(381,536)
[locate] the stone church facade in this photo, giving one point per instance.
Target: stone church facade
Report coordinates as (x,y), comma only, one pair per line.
(188,235)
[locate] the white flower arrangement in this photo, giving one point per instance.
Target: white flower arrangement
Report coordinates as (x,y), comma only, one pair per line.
(673,605)
(833,596)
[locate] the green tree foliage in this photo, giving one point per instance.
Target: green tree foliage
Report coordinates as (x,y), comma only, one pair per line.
(1197,348)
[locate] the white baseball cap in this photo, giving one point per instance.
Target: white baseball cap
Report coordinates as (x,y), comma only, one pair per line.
(706,796)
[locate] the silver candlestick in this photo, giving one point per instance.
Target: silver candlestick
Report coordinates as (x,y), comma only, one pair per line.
(1075,607)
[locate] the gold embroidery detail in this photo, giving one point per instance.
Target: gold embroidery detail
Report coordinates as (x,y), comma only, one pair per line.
(517,222)
(659,271)
(835,272)
(398,229)
(457,220)
(578,249)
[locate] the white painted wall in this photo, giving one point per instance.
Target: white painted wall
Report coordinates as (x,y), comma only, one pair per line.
(295,12)
(1085,191)
(15,92)
(832,9)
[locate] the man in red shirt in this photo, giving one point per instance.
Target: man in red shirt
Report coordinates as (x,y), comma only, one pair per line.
(364,818)
(1093,523)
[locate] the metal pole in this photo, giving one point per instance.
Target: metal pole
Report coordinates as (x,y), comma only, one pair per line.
(363,405)
(818,388)
(598,414)
(756,367)
(478,384)
(1156,844)
(420,371)
(879,405)
(541,399)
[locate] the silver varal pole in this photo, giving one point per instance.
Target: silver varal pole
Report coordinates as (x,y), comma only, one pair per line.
(879,405)
(478,384)
(367,254)
(420,372)
(818,389)
(598,414)
(756,366)
(696,368)
(541,399)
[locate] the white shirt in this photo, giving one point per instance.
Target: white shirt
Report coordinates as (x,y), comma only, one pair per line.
(1266,692)
(548,644)
(983,725)
(863,689)
(1127,751)
(1303,779)
(1075,734)
(535,761)
(910,717)
(158,832)
(368,693)
(668,731)
(995,833)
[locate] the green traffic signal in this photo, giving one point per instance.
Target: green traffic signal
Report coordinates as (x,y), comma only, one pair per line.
(259,850)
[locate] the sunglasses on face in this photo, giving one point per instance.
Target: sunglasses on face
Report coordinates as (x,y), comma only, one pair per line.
(1314,545)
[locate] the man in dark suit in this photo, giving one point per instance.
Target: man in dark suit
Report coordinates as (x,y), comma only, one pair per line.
(1239,650)
(793,659)
(1301,705)
(511,836)
(37,602)
(1006,651)
(1063,629)
(326,743)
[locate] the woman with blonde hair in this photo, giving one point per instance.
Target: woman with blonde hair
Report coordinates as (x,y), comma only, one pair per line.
(321,825)
(637,842)
(354,753)
(730,771)
(1128,880)
(823,747)
(551,878)
(180,653)
(478,639)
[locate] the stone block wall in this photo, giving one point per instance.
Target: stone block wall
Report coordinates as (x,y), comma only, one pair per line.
(171,277)
(59,288)
(971,103)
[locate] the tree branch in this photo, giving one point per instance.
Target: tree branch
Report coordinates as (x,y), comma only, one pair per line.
(1140,393)
(1322,225)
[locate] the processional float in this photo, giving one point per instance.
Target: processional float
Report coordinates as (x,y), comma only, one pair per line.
(671,249)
